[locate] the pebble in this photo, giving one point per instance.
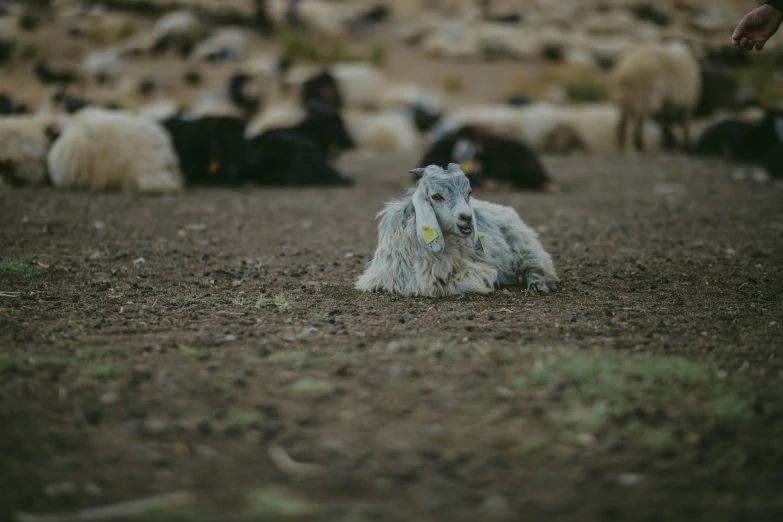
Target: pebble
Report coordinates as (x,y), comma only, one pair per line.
(495,504)
(61,489)
(156,426)
(629,479)
(500,335)
(204,427)
(92,489)
(109,398)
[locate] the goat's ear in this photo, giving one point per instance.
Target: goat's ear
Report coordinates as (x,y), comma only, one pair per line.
(428,231)
(454,168)
(419,173)
(478,244)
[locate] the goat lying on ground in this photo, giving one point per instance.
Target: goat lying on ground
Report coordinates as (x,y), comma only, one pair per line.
(484,156)
(436,242)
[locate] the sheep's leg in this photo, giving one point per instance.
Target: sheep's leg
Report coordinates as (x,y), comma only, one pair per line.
(621,131)
(535,266)
(685,122)
(638,135)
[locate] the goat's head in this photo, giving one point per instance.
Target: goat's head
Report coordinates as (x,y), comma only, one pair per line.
(442,203)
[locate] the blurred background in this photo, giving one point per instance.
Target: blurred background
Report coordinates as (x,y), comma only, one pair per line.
(409,71)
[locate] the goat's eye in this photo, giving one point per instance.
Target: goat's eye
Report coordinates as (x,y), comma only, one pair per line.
(437,197)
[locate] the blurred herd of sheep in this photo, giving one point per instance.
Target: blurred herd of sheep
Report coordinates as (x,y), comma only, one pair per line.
(271,91)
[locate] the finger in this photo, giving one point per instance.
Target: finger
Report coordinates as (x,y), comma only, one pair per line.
(735,36)
(750,45)
(759,46)
(744,42)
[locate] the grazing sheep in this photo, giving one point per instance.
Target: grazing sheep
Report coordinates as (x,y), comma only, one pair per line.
(661,81)
(743,141)
(322,90)
(24,143)
(211,150)
(484,156)
(436,242)
(102,149)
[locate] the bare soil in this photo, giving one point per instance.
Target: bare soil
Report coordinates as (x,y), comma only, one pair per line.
(150,345)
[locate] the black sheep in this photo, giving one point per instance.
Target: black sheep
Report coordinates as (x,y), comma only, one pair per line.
(743,141)
(483,156)
(322,91)
(719,90)
(300,155)
(211,149)
(46,74)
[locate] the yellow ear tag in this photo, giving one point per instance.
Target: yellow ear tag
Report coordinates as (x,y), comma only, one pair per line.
(213,168)
(481,240)
(467,166)
(429,234)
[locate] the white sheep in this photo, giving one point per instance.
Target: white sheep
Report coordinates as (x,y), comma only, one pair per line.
(654,80)
(436,241)
(390,131)
(24,143)
(102,149)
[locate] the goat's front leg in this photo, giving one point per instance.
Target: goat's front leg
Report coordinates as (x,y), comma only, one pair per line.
(535,266)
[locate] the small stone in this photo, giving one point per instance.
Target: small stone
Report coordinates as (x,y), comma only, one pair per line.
(92,416)
(240,382)
(629,479)
(156,426)
(471,317)
(503,394)
(495,504)
(92,489)
(60,489)
(237,282)
(205,452)
(109,398)
(401,319)
(499,336)
(204,427)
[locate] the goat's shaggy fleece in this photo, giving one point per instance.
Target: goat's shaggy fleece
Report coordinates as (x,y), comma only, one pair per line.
(24,143)
(103,149)
(436,242)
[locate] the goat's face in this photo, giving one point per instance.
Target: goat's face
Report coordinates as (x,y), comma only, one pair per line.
(442,204)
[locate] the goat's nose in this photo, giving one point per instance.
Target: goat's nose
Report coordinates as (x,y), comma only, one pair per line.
(466,217)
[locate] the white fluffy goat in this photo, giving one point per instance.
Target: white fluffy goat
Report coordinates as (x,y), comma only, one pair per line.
(436,242)
(657,80)
(102,149)
(24,143)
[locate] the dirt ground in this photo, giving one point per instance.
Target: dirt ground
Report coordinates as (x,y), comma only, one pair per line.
(151,345)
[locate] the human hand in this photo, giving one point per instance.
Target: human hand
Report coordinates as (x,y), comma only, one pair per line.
(757,27)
